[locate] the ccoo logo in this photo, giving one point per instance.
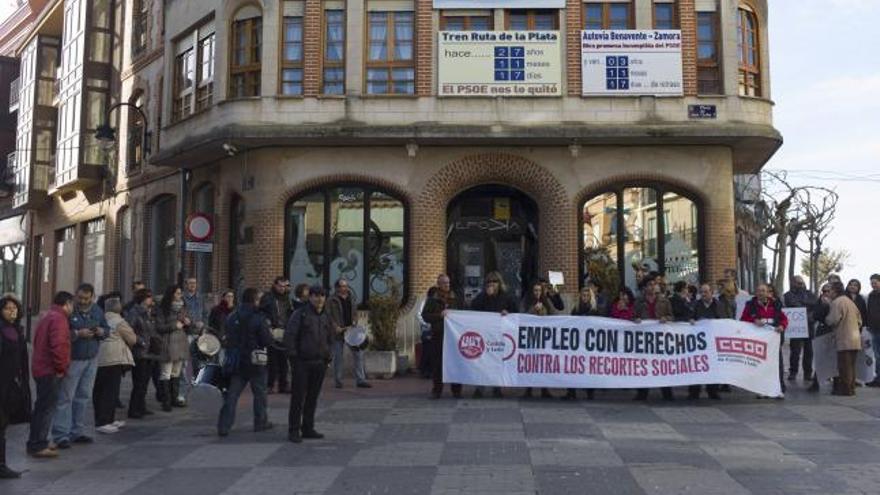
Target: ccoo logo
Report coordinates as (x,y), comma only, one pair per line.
(471,345)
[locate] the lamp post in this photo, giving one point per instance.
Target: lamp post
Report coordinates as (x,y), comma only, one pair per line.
(106,135)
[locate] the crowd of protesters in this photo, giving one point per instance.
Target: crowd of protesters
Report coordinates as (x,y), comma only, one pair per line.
(85,345)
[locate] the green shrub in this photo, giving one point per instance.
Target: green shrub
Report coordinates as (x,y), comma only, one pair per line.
(384,313)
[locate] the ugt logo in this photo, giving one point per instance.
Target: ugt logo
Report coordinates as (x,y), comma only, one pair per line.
(471,345)
(746,347)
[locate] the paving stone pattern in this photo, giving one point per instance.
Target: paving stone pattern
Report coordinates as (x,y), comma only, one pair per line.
(393,439)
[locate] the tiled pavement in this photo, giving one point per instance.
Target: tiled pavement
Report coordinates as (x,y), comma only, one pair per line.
(392,439)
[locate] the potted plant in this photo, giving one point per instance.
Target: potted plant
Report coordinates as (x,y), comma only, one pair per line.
(380,359)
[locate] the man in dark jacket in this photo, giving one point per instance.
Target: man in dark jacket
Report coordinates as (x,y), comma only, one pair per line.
(799,297)
(87,329)
(872,321)
(440,300)
(493,299)
(50,363)
(308,338)
(343,314)
(276,305)
(706,308)
(247,336)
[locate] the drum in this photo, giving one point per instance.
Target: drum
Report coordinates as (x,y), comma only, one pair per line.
(355,336)
(278,334)
(208,344)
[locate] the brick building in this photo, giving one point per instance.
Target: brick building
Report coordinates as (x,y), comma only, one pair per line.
(353,138)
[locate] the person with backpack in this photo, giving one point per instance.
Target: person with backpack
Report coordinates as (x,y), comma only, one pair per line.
(247,339)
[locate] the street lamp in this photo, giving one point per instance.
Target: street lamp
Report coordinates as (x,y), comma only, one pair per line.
(106,135)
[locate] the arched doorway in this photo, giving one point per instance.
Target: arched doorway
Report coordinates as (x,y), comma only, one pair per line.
(491,228)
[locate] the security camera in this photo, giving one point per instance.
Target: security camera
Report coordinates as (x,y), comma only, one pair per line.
(230,149)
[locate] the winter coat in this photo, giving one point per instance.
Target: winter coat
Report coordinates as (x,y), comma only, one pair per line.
(432,312)
(276,307)
(662,308)
(494,304)
(115,350)
(217,320)
(682,309)
(143,322)
(309,335)
(846,321)
(771,312)
(247,330)
(712,311)
(176,345)
(727,307)
(873,307)
(336,313)
(86,348)
(51,344)
(13,371)
(627,313)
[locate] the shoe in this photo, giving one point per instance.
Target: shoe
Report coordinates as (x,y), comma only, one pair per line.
(792,377)
(478,393)
(496,393)
(133,415)
(641,395)
(63,445)
(814,387)
(874,384)
(338,385)
(527,394)
(46,453)
(435,394)
(364,385)
(295,437)
(83,439)
(590,394)
(147,412)
(312,434)
(222,433)
(118,424)
(695,396)
(8,474)
(714,396)
(108,429)
(270,391)
(284,390)
(264,427)
(725,388)
(545,394)
(570,395)
(456,394)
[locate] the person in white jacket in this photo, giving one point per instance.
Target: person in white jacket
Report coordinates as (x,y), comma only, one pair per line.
(114,357)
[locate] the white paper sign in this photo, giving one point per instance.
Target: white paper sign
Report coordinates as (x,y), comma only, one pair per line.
(631,62)
(556,278)
(520,350)
(825,358)
(798,325)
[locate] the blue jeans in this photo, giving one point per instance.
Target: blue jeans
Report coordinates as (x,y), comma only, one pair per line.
(360,375)
(257,376)
(48,388)
(73,399)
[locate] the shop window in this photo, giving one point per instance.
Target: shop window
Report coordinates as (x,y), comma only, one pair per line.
(708,54)
(533,20)
(457,21)
(292,56)
(203,202)
(334,52)
(390,62)
(625,227)
(163,242)
(12,269)
(125,250)
(352,232)
(246,64)
(665,14)
(93,254)
(749,57)
(608,15)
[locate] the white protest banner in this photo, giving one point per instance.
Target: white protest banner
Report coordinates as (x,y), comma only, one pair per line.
(499,4)
(520,350)
(825,358)
(798,325)
(631,62)
(499,63)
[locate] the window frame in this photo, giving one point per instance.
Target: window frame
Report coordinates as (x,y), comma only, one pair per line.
(336,64)
(748,43)
(707,64)
(444,19)
(140,27)
(390,63)
(136,149)
(197,98)
(619,249)
(676,14)
(205,85)
(530,18)
(286,64)
(252,70)
(606,14)
(368,190)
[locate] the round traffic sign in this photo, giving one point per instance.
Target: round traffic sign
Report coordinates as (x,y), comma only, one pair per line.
(199,227)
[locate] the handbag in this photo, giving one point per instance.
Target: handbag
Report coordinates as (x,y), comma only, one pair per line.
(259,357)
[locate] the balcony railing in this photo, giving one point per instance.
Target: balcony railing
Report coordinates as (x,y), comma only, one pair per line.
(13,95)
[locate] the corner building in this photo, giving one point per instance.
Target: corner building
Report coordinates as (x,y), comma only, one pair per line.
(332,138)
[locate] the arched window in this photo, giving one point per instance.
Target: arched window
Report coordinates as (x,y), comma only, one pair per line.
(125,250)
(203,202)
(633,229)
(246,43)
(136,143)
(749,56)
(355,232)
(162,229)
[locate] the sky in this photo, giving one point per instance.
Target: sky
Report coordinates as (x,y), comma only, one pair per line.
(825,81)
